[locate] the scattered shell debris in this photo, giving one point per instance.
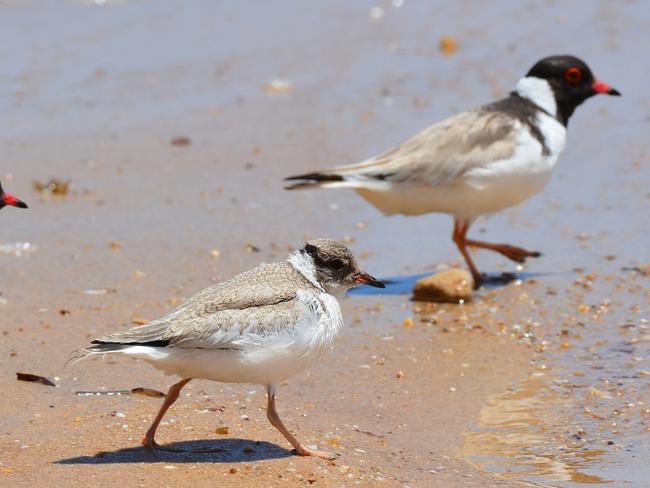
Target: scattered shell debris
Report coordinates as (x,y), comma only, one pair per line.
(376,13)
(33,378)
(149,392)
(448,45)
(53,186)
(18,249)
(279,86)
(250,247)
(181,141)
(99,291)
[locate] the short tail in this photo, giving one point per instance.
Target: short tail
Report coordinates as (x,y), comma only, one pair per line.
(314,180)
(103,348)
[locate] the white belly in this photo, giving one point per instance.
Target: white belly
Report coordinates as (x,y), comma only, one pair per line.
(461,198)
(482,190)
(232,366)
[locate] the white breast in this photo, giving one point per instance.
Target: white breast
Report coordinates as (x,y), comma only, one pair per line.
(505,183)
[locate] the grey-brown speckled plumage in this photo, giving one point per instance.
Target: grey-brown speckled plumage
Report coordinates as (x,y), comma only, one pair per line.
(437,154)
(266,284)
(257,301)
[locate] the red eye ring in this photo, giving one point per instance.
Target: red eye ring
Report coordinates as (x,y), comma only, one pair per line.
(573,75)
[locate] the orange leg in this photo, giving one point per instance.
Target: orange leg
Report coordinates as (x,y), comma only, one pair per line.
(515,253)
(172,395)
(274,418)
(460,238)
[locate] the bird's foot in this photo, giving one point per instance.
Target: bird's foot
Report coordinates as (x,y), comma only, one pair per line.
(151,445)
(479,280)
(305,451)
(516,254)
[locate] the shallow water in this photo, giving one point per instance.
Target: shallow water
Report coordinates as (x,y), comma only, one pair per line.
(582,417)
(94,91)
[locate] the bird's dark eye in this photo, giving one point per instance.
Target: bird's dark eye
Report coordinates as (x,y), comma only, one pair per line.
(573,75)
(311,250)
(336,264)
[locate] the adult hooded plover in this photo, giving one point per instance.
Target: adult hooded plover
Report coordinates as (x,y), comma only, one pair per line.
(478,162)
(9,199)
(261,326)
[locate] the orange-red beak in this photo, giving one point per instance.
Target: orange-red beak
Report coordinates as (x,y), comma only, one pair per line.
(9,199)
(605,89)
(365,279)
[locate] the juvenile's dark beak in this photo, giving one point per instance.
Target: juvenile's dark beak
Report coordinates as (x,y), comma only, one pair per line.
(365,279)
(605,89)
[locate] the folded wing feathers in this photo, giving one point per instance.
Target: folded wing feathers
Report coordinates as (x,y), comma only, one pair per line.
(223,329)
(436,155)
(254,303)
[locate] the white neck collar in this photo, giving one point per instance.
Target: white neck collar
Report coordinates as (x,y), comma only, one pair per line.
(304,264)
(537,91)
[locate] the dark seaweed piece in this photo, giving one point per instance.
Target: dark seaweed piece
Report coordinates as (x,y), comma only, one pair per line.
(34,379)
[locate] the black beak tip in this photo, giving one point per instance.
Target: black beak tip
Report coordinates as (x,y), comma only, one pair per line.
(366,279)
(376,283)
(614,92)
(21,204)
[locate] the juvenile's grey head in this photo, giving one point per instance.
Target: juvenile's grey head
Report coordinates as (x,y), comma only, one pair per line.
(335,267)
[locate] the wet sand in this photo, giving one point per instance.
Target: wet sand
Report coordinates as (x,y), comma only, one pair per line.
(539,381)
(401,430)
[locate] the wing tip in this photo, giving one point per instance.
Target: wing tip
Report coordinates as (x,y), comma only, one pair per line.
(103,347)
(303,185)
(312,180)
(78,355)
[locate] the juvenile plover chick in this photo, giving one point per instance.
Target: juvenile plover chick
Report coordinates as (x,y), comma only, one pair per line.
(261,326)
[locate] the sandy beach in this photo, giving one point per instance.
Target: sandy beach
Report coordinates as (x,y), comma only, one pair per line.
(176,126)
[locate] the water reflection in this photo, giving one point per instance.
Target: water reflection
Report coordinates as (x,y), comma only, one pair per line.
(403,285)
(518,438)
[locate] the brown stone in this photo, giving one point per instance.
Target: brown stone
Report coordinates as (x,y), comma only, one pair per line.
(644,269)
(451,285)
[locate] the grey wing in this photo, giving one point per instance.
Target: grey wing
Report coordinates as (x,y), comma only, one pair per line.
(265,285)
(239,327)
(442,151)
(242,303)
(224,329)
